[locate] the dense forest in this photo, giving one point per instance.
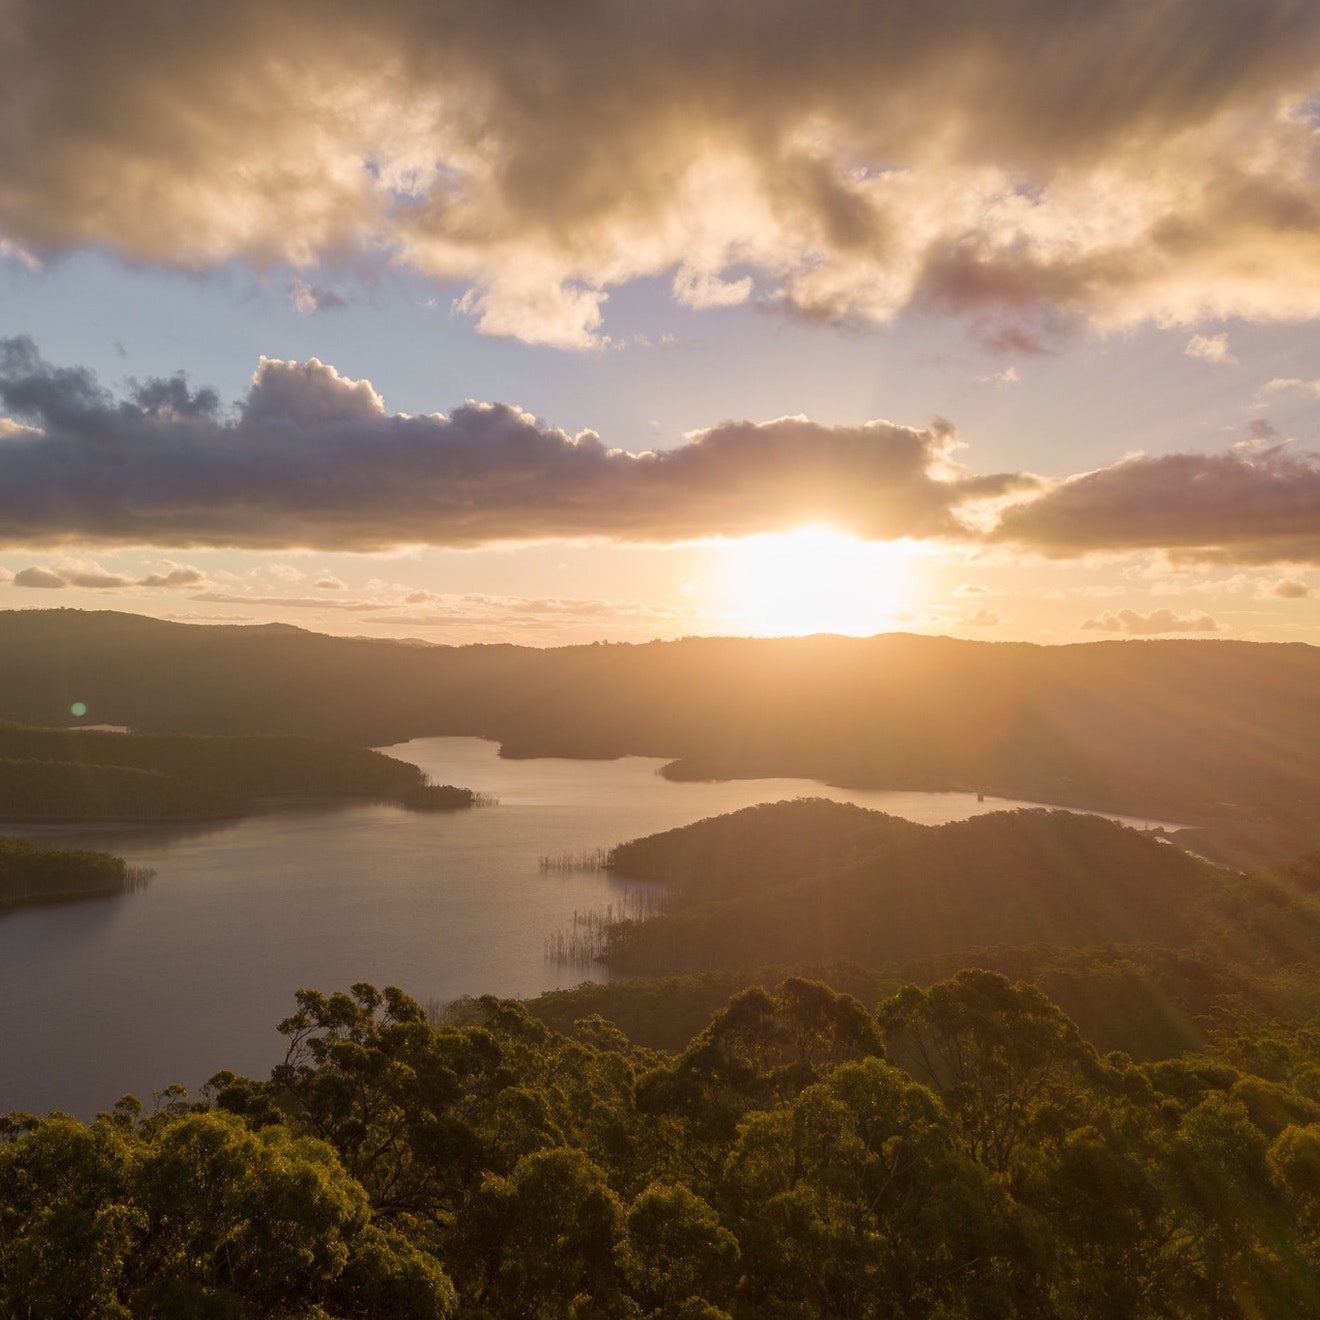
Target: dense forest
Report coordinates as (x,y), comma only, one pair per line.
(1140,942)
(960,1151)
(1220,734)
(89,774)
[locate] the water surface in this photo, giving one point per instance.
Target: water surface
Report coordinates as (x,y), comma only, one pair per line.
(191,974)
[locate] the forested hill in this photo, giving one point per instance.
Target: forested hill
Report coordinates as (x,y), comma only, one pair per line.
(1188,730)
(811,881)
(1143,944)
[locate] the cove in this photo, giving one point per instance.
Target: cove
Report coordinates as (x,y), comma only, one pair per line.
(192,973)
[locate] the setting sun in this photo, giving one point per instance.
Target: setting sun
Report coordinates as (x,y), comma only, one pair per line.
(816,580)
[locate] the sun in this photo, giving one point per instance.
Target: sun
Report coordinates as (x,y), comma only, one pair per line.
(816,580)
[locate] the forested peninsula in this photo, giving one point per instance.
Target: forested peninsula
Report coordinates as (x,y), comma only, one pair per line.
(49,774)
(30,873)
(1222,735)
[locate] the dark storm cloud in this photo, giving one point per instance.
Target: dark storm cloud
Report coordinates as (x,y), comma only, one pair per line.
(1095,158)
(312,459)
(1247,506)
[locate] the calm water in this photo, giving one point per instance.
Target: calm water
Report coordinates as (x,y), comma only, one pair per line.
(191,974)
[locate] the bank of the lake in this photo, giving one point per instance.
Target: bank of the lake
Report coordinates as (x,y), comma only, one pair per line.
(170,983)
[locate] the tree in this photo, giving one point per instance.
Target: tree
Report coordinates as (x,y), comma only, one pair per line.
(675,1252)
(855,1201)
(1006,1060)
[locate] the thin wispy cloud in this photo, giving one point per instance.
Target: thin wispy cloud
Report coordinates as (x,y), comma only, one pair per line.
(1211,348)
(1285,383)
(1131,623)
(844,160)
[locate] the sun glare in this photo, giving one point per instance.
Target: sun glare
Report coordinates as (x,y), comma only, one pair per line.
(817,580)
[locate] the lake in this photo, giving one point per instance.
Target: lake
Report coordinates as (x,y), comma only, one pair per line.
(191,974)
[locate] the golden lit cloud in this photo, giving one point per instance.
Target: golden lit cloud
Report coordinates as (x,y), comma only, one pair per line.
(846,159)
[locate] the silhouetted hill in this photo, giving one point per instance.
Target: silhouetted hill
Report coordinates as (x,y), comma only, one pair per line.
(1201,731)
(811,881)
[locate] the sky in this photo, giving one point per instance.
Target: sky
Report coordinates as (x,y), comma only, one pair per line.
(615,320)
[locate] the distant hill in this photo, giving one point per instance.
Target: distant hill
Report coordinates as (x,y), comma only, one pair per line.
(1209,732)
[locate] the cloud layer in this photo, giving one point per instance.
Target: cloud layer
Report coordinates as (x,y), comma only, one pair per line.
(312,459)
(1025,162)
(1247,505)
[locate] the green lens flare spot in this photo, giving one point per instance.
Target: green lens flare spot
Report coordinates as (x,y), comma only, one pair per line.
(79,708)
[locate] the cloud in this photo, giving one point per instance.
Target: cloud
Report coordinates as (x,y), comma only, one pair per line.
(843,160)
(289,602)
(1249,505)
(96,579)
(566,619)
(308,299)
(329,584)
(1001,380)
(1211,348)
(984,619)
(1290,589)
(5,576)
(1280,383)
(1132,624)
(39,577)
(175,576)
(312,459)
(92,577)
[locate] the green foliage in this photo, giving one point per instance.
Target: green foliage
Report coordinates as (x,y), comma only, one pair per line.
(759,1051)
(1007,1061)
(193,1214)
(985,1162)
(675,1252)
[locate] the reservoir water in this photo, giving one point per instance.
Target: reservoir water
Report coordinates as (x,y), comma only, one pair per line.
(191,974)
